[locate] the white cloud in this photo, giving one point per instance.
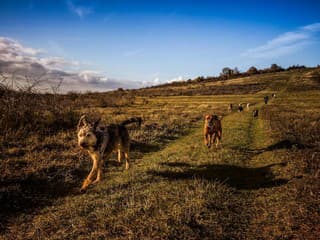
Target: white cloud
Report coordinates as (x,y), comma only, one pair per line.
(13,51)
(90,76)
(285,43)
(24,61)
(155,81)
(177,79)
(10,49)
(81,11)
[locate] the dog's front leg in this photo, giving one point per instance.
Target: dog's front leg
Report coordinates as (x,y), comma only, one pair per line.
(215,139)
(100,166)
(96,159)
(219,135)
(206,139)
(209,140)
(126,154)
(99,172)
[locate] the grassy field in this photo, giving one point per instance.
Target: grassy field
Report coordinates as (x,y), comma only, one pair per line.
(261,183)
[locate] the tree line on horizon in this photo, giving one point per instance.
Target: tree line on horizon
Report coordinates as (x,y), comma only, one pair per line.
(231,73)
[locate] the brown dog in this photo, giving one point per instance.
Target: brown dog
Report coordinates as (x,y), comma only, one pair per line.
(212,130)
(100,143)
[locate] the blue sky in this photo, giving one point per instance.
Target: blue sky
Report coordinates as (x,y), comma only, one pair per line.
(149,42)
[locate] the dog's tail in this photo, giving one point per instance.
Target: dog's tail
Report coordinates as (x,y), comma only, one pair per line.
(132,120)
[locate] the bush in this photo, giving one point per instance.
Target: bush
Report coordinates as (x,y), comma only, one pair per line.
(25,112)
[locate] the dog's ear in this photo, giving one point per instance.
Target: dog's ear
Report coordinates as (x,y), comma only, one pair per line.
(96,123)
(82,121)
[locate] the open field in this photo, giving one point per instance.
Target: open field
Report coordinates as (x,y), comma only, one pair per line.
(261,183)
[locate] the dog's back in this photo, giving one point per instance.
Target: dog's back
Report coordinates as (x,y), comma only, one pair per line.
(115,135)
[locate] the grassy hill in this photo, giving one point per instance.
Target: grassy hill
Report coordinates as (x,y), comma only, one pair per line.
(262,183)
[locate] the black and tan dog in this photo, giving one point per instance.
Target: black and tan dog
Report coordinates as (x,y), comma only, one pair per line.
(101,142)
(212,130)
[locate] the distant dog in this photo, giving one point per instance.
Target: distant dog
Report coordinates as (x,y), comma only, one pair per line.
(212,130)
(240,108)
(248,106)
(255,113)
(230,107)
(266,99)
(101,142)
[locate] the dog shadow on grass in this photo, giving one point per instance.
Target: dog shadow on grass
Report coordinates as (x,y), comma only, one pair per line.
(36,190)
(241,178)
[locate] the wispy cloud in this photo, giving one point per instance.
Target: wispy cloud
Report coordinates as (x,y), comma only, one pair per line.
(132,53)
(286,43)
(312,27)
(56,48)
(81,11)
(109,17)
(58,62)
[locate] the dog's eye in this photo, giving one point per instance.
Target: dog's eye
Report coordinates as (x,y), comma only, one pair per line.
(88,135)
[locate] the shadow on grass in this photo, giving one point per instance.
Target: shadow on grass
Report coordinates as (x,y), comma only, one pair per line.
(241,178)
(144,147)
(286,144)
(37,190)
(32,191)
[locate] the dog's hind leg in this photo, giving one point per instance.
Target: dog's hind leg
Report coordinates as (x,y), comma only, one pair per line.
(217,141)
(119,155)
(126,154)
(219,135)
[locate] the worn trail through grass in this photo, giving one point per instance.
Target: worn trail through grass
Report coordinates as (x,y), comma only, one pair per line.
(245,163)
